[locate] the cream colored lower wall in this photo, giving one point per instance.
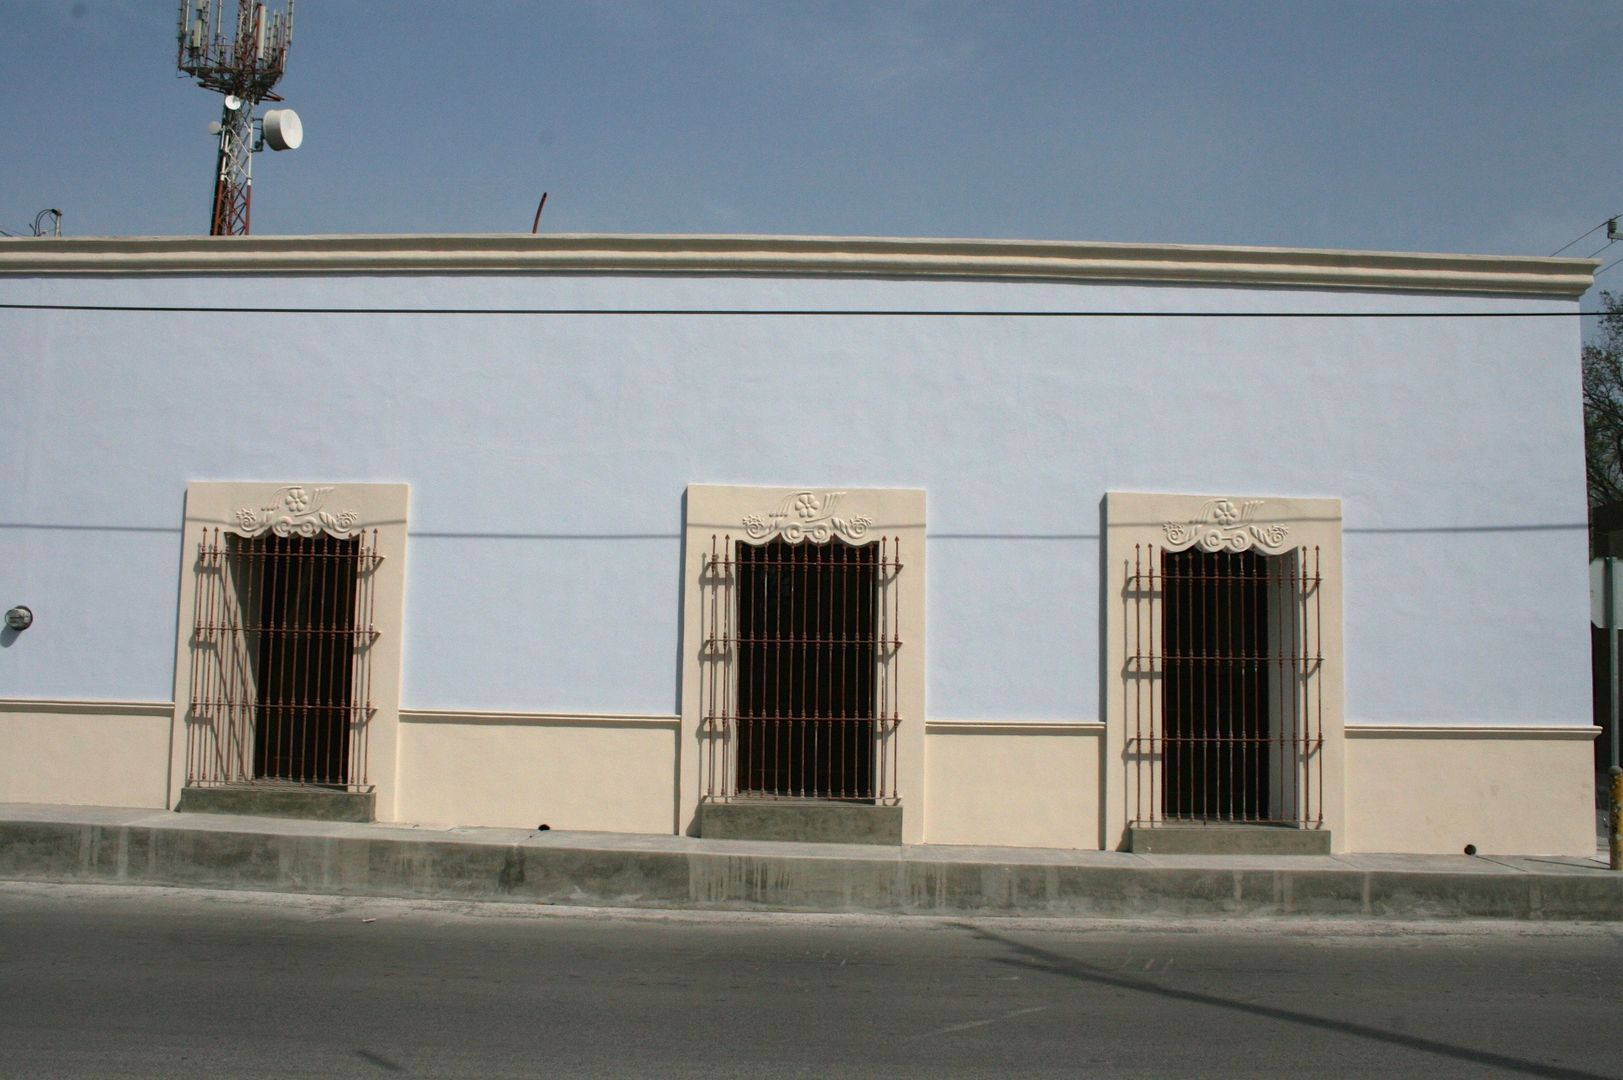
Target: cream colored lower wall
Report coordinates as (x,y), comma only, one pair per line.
(1511,791)
(85,753)
(1524,791)
(1011,784)
(597,773)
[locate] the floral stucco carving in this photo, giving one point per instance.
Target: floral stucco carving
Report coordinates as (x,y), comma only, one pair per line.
(1226,524)
(807,515)
(294,510)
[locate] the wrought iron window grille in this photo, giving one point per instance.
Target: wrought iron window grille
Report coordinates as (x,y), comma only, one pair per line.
(281,673)
(801,668)
(1224,673)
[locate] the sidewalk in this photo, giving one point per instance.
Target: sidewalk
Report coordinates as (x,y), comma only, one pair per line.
(155,847)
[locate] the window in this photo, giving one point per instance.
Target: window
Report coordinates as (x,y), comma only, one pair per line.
(281,650)
(1240,735)
(288,662)
(1223,693)
(803,648)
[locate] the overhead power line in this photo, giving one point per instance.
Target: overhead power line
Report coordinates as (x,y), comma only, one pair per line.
(1611,221)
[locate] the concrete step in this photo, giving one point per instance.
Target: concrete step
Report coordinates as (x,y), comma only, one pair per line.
(278,800)
(801,820)
(1228,840)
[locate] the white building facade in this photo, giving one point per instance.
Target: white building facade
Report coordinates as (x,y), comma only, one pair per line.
(1035,544)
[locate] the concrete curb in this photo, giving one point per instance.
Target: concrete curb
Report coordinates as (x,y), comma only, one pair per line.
(145,847)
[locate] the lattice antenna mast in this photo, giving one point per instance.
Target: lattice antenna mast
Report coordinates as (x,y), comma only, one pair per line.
(243,59)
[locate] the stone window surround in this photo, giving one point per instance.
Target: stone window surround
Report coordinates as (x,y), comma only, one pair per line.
(750,513)
(247,508)
(1181,521)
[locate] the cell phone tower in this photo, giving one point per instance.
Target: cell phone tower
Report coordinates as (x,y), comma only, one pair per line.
(242,59)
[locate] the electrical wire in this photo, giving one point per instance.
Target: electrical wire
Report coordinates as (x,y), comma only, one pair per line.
(1590,233)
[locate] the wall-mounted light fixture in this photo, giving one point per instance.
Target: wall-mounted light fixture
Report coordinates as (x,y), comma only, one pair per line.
(19,618)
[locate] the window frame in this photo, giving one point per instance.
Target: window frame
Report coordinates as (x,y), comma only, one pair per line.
(247,509)
(757,515)
(1180,521)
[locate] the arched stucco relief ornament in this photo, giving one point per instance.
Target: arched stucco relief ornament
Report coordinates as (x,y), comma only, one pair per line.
(807,515)
(297,511)
(1224,524)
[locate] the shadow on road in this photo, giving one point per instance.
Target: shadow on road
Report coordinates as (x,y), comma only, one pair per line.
(1033,958)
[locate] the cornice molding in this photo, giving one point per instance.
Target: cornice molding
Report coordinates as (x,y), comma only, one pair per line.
(799,255)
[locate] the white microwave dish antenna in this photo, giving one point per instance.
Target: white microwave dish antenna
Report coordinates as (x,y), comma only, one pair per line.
(283,131)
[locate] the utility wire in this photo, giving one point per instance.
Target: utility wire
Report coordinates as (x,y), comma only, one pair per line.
(1590,233)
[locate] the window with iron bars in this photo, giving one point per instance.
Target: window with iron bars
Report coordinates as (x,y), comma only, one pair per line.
(800,670)
(1224,664)
(281,659)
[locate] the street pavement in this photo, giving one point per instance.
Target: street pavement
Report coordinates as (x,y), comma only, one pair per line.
(108,981)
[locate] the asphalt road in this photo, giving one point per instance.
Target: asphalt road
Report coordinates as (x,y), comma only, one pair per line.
(107,982)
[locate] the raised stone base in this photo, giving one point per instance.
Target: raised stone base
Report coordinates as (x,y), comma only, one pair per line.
(807,822)
(316,804)
(1228,840)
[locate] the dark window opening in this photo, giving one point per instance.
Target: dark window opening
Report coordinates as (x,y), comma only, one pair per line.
(1216,692)
(1224,675)
(808,639)
(302,648)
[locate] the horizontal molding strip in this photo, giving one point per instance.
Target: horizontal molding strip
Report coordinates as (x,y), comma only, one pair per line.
(100,707)
(1011,727)
(476,716)
(812,255)
(1471,731)
(87,708)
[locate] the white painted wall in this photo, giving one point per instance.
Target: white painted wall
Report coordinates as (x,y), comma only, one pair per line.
(547,456)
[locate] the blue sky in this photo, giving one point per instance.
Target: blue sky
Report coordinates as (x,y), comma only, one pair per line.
(1473,127)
